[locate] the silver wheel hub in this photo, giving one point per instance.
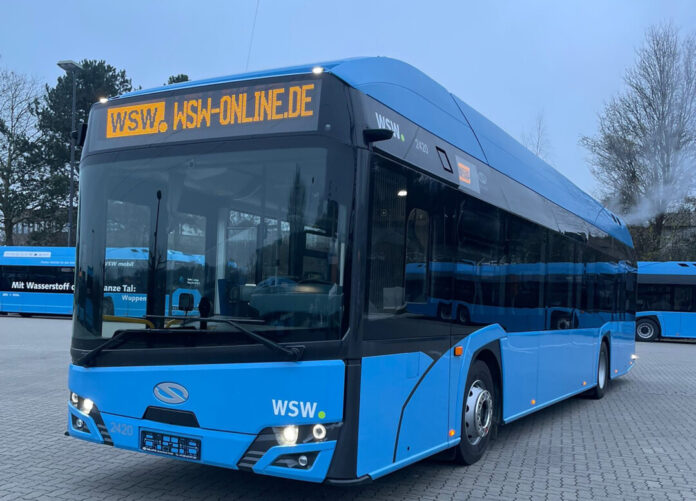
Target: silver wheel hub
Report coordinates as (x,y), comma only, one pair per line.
(478,413)
(645,330)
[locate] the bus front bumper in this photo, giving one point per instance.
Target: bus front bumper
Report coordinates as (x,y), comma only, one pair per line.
(239,451)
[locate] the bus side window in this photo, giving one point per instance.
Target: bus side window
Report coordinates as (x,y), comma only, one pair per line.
(387,233)
(417,239)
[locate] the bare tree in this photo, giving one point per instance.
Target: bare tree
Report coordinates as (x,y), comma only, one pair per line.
(537,140)
(644,155)
(20,178)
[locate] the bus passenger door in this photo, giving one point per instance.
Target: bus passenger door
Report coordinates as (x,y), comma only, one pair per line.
(404,388)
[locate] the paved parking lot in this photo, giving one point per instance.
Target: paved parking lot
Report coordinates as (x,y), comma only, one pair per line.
(638,442)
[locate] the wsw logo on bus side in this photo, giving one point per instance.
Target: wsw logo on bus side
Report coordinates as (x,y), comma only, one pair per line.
(386,123)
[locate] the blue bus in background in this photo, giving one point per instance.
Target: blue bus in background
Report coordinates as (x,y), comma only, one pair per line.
(666,300)
(37,280)
(384,275)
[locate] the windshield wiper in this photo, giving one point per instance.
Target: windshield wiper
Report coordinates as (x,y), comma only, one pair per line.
(118,339)
(294,353)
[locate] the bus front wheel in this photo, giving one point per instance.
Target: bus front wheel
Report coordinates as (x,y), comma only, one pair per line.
(478,415)
(602,373)
(646,330)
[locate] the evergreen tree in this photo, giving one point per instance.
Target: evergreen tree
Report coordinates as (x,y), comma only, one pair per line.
(97,79)
(181,77)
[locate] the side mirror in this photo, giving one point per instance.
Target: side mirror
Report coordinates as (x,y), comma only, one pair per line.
(373,135)
(185,302)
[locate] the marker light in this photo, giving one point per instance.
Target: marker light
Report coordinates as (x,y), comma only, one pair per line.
(402,193)
(288,435)
(634,357)
(103,100)
(317,70)
(87,405)
(74,398)
(319,431)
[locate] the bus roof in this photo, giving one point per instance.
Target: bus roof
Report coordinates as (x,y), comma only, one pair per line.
(37,256)
(411,93)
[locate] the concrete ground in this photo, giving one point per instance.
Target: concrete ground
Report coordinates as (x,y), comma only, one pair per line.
(639,442)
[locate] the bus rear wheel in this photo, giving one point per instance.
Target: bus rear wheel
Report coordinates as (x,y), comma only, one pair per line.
(478,415)
(647,330)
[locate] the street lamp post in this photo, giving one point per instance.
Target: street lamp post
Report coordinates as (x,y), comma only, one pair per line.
(71,67)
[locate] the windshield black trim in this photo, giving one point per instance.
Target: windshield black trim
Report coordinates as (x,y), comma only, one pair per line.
(187,355)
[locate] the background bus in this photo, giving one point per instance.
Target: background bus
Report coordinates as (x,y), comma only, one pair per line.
(37,280)
(346,215)
(666,300)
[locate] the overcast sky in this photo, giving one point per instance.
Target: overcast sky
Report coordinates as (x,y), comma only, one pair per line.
(511,60)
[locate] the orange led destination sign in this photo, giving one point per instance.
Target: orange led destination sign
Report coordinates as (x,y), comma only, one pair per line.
(219,111)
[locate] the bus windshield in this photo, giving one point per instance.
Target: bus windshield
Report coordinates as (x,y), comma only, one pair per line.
(255,234)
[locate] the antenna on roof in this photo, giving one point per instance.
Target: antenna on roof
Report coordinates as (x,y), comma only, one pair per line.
(251,39)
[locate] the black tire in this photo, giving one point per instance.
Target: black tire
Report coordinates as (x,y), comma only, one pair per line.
(647,330)
(463,316)
(473,444)
(25,315)
(602,373)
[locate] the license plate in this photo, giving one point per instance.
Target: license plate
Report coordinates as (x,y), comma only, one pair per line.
(170,445)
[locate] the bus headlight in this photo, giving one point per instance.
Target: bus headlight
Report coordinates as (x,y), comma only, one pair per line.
(82,404)
(87,405)
(287,435)
(319,431)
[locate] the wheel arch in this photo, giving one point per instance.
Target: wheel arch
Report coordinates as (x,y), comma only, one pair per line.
(490,355)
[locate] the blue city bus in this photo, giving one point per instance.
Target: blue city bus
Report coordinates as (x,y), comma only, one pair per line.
(666,301)
(36,280)
(346,213)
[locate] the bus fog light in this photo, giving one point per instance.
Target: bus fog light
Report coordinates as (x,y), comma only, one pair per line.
(319,432)
(287,435)
(302,461)
(79,424)
(87,405)
(74,398)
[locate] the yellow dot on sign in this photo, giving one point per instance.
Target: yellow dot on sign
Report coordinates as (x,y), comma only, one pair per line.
(322,414)
(285,115)
(162,127)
